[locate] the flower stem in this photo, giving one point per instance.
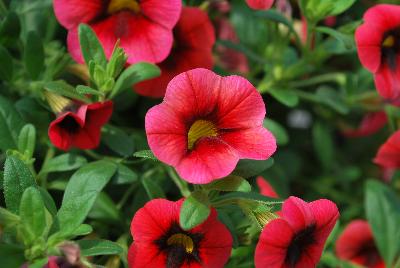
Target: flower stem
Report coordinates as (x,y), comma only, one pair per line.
(181,184)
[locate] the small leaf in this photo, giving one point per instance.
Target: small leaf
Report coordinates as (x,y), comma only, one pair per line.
(88,90)
(90,46)
(10,125)
(83,229)
(10,26)
(62,88)
(34,54)
(117,140)
(247,168)
(153,190)
(63,162)
(98,247)
(346,39)
(8,218)
(284,96)
(27,140)
(332,98)
(134,74)
(6,64)
(125,175)
(148,154)
(323,145)
(195,210)
(230,183)
(11,255)
(340,6)
(104,209)
(276,17)
(17,178)
(48,201)
(249,198)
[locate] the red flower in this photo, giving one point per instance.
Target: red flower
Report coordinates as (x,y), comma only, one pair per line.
(80,126)
(388,155)
(144,28)
(297,239)
(371,123)
(266,188)
(356,244)
(194,38)
(378,44)
(230,59)
(260,4)
(159,241)
(206,123)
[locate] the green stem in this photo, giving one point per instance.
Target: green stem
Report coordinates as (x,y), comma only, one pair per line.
(181,184)
(307,96)
(330,77)
(126,195)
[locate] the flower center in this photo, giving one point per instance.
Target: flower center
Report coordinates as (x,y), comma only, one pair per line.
(70,125)
(299,245)
(390,47)
(201,129)
(118,5)
(389,41)
(182,240)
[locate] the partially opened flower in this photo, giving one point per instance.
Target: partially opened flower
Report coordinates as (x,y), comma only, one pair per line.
(297,239)
(159,241)
(79,125)
(356,244)
(266,188)
(206,123)
(260,4)
(388,155)
(144,28)
(194,38)
(370,124)
(378,45)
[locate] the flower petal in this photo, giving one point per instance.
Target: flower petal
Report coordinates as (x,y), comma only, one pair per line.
(165,13)
(145,255)
(266,188)
(297,213)
(388,155)
(260,4)
(70,13)
(387,82)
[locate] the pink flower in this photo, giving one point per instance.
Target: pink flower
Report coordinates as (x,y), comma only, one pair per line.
(260,4)
(206,123)
(388,155)
(144,28)
(371,123)
(266,188)
(297,239)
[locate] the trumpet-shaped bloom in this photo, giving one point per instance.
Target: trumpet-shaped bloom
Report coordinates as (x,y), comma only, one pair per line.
(378,45)
(159,241)
(388,155)
(144,28)
(206,123)
(260,4)
(297,239)
(356,244)
(194,38)
(80,125)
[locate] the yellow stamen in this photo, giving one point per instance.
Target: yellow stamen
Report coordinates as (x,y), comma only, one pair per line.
(118,5)
(57,103)
(201,129)
(389,41)
(182,240)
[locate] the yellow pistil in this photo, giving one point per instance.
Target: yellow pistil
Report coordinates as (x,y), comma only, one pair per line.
(201,129)
(57,103)
(182,240)
(389,41)
(118,5)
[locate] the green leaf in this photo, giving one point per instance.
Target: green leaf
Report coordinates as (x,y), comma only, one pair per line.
(134,74)
(104,209)
(332,98)
(323,145)
(117,140)
(278,131)
(83,229)
(116,62)
(340,6)
(88,90)
(195,210)
(32,213)
(10,125)
(90,46)
(247,168)
(153,190)
(10,26)
(48,201)
(346,39)
(6,64)
(242,197)
(98,247)
(11,255)
(17,178)
(27,140)
(8,218)
(383,214)
(276,17)
(62,88)
(34,54)
(63,162)
(125,175)
(241,48)
(284,96)
(148,154)
(230,183)
(82,190)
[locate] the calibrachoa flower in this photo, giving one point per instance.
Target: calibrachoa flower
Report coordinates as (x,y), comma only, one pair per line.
(79,125)
(260,4)
(388,155)
(206,123)
(297,239)
(159,241)
(144,28)
(266,188)
(378,44)
(194,38)
(356,244)
(370,124)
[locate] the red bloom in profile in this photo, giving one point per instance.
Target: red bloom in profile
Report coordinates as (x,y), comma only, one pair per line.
(159,241)
(80,125)
(206,123)
(144,28)
(378,45)
(371,123)
(297,239)
(388,155)
(266,188)
(194,38)
(260,4)
(356,244)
